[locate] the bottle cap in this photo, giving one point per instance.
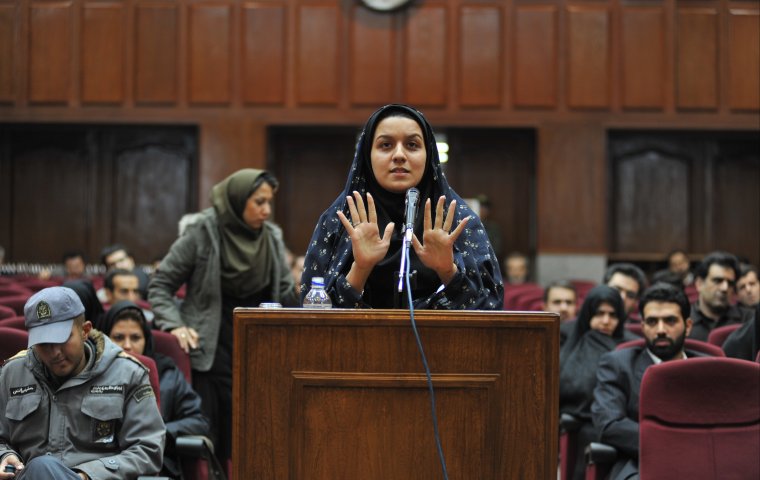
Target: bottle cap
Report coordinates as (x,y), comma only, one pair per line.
(318,281)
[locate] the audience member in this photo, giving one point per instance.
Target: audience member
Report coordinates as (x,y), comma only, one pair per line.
(679,265)
(629,280)
(121,284)
(748,287)
(598,330)
(493,229)
(230,256)
(744,343)
(452,263)
(117,256)
(93,309)
(125,324)
(665,323)
(560,297)
(74,265)
(715,282)
(517,267)
(75,406)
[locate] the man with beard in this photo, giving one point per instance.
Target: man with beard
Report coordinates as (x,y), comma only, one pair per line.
(716,283)
(665,323)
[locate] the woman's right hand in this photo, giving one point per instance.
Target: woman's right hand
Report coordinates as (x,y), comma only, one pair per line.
(186,337)
(366,244)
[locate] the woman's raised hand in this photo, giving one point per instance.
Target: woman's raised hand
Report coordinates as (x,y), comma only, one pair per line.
(436,251)
(367,245)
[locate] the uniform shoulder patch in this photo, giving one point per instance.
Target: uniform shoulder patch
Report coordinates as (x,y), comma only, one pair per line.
(21,354)
(124,354)
(143,392)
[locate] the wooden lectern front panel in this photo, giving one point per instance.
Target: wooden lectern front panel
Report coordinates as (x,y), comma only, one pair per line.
(342,394)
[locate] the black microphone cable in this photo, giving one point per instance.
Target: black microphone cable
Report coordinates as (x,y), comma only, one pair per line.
(405,252)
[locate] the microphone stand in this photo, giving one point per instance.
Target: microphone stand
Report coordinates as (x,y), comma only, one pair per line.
(407,242)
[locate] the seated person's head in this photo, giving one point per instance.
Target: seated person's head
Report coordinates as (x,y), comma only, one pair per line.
(748,286)
(629,280)
(716,282)
(602,310)
(73,264)
(117,256)
(665,322)
(678,263)
(54,318)
(560,297)
(125,324)
(516,266)
(121,285)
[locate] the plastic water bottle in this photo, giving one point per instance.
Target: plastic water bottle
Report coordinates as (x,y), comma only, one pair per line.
(317,296)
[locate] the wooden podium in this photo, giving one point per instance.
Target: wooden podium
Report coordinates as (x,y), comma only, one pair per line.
(342,395)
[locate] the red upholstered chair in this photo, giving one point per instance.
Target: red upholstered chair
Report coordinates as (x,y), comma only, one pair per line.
(700,419)
(14,322)
(16,302)
(719,335)
(691,344)
(166,344)
(582,287)
(6,312)
(12,341)
(37,284)
(511,292)
(526,299)
(14,290)
(634,328)
(152,375)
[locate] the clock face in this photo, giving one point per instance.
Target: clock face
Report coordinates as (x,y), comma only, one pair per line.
(385,5)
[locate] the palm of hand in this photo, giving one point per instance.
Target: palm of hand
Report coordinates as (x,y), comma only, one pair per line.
(367,244)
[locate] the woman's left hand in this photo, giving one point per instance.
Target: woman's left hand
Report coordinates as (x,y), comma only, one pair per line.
(436,251)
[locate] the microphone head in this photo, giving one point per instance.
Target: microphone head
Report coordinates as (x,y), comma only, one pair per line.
(412,196)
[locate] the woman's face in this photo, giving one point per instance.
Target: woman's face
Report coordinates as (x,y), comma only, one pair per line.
(605,319)
(128,334)
(258,208)
(398,154)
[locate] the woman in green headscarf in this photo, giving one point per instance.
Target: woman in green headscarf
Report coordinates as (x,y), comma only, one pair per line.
(229,256)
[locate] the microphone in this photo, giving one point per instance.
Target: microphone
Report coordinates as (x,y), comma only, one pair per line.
(412,198)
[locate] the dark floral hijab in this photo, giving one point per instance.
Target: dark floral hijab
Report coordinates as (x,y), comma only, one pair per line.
(329,253)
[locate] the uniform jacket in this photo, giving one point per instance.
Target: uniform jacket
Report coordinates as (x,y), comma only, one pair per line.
(194,258)
(103,421)
(615,411)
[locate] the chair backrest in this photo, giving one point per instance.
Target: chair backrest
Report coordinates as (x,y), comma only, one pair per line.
(719,335)
(152,375)
(13,290)
(634,328)
(690,344)
(12,341)
(511,292)
(14,322)
(37,284)
(7,312)
(700,419)
(15,302)
(166,344)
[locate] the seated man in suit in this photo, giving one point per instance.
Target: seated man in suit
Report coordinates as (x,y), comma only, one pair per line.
(615,412)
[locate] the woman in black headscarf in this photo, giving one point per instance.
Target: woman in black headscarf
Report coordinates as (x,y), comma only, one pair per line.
(598,330)
(125,324)
(454,264)
(229,255)
(93,309)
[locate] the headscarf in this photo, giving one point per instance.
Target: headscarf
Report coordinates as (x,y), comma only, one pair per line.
(596,296)
(247,257)
(110,320)
(330,255)
(93,309)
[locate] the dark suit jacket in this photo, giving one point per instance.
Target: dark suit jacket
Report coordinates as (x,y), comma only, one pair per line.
(615,411)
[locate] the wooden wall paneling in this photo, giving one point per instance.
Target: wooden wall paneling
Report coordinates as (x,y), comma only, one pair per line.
(264,54)
(571,177)
(156,40)
(644,50)
(697,58)
(372,57)
(51,212)
(6,189)
(588,57)
(425,73)
(744,59)
(210,62)
(480,56)
(650,189)
(103,53)
(319,54)
(50,55)
(535,56)
(7,54)
(736,200)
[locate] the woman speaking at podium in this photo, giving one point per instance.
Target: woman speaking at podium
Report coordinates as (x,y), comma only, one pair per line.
(357,243)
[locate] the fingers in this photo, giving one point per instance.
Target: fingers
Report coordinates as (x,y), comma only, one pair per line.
(460,228)
(346,224)
(371,207)
(449,215)
(187,338)
(388,232)
(427,220)
(439,212)
(352,210)
(361,209)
